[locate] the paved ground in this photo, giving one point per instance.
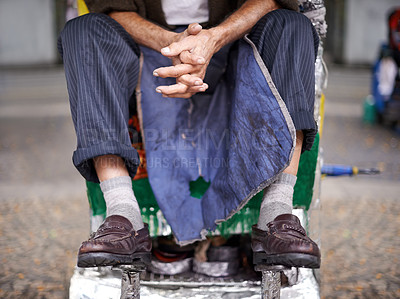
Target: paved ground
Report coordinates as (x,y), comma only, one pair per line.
(44,212)
(361,215)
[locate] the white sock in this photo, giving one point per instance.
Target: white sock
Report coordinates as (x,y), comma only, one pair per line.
(120,200)
(277,199)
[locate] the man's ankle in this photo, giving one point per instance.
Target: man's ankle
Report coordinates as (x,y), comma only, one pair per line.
(120,200)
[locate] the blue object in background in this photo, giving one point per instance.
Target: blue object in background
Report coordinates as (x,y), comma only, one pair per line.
(339,170)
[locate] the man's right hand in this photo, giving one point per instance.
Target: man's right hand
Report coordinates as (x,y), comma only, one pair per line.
(186,67)
(154,37)
(192,45)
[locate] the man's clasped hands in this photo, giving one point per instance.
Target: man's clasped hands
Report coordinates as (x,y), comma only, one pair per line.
(190,52)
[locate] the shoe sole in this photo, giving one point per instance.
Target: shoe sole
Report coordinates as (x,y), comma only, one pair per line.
(298,260)
(101,259)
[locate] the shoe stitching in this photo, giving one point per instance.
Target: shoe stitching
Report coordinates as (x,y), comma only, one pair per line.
(114,240)
(133,234)
(291,240)
(298,229)
(101,229)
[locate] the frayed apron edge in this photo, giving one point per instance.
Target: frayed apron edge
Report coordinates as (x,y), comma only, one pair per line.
(289,123)
(203,236)
(138,93)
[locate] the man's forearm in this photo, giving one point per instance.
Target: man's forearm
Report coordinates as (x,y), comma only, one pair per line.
(234,27)
(142,31)
(241,21)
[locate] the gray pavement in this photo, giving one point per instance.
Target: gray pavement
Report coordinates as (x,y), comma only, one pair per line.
(44,211)
(360,223)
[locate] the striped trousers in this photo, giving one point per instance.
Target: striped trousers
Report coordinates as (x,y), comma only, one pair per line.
(101,62)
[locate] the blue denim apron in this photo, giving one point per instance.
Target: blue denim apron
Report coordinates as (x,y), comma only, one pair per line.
(239,137)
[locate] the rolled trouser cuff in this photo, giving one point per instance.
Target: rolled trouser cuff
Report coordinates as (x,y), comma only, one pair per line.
(83,158)
(304,121)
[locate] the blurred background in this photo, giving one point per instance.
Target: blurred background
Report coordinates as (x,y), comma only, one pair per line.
(44,213)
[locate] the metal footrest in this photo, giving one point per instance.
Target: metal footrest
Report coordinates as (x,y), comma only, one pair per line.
(271,280)
(130,280)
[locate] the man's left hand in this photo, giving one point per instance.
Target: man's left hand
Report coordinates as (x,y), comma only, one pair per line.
(191,57)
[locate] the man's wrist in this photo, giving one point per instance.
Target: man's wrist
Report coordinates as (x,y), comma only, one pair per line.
(169,37)
(219,37)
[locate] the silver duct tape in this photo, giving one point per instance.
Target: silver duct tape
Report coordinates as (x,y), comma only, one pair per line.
(271,285)
(292,276)
(321,72)
(94,284)
(172,268)
(317,18)
(302,215)
(317,14)
(130,286)
(314,212)
(198,281)
(95,222)
(91,284)
(315,10)
(321,81)
(306,288)
(216,269)
(321,27)
(309,5)
(222,254)
(212,292)
(201,287)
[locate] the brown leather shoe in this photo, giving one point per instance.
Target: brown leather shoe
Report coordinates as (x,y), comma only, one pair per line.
(115,243)
(284,243)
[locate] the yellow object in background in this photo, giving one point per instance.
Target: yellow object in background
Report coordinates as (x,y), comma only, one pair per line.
(82,8)
(321,113)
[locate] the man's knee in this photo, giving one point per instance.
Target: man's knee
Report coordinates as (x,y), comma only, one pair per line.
(285,28)
(76,30)
(84,25)
(286,20)
(96,27)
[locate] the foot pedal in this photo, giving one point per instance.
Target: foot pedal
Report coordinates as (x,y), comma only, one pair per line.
(130,280)
(271,280)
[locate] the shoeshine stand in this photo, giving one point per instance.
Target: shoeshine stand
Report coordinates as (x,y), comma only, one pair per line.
(104,282)
(270,285)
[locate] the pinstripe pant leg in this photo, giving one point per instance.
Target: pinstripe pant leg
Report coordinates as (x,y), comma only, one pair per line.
(288,44)
(101,67)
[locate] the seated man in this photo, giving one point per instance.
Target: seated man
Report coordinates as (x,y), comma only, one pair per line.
(204,93)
